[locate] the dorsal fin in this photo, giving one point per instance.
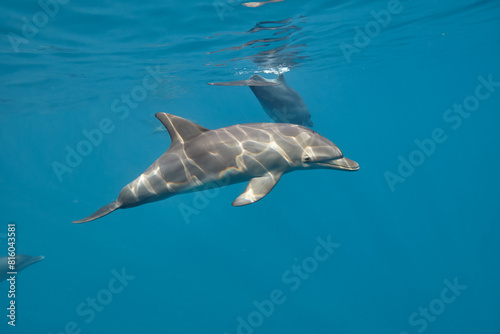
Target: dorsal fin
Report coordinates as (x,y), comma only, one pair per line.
(181,130)
(281,78)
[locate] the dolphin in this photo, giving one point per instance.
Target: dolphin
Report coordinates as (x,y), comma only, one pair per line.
(22,261)
(281,102)
(199,159)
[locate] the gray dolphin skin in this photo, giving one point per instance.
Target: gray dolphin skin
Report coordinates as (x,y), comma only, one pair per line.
(22,261)
(281,102)
(199,159)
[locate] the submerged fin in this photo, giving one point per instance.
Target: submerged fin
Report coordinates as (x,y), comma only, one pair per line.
(248,82)
(105,210)
(257,188)
(281,78)
(180,129)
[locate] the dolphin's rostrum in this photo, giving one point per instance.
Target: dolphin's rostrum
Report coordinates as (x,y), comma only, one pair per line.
(198,158)
(22,261)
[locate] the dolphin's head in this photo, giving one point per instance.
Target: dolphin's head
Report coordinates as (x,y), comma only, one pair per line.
(319,152)
(23,261)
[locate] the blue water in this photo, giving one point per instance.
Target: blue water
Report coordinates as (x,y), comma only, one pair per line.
(411,251)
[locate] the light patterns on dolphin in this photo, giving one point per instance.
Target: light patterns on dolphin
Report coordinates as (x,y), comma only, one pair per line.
(199,158)
(265,142)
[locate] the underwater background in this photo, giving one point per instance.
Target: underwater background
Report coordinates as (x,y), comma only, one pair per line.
(408,244)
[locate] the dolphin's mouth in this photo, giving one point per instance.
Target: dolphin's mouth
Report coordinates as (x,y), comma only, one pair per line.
(341,164)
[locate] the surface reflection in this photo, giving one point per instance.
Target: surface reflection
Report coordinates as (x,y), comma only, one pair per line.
(278,41)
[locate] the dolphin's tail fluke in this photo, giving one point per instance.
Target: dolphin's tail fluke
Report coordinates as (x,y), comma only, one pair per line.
(105,210)
(249,82)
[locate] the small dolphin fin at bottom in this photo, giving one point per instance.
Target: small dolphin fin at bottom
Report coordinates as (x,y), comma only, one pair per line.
(105,210)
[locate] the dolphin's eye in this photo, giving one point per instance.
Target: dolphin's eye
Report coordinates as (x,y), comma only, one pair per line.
(307,159)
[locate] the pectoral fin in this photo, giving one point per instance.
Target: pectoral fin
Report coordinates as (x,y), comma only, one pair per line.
(257,188)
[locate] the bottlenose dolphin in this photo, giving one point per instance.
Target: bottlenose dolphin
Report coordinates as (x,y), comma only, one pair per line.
(199,158)
(22,261)
(281,102)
